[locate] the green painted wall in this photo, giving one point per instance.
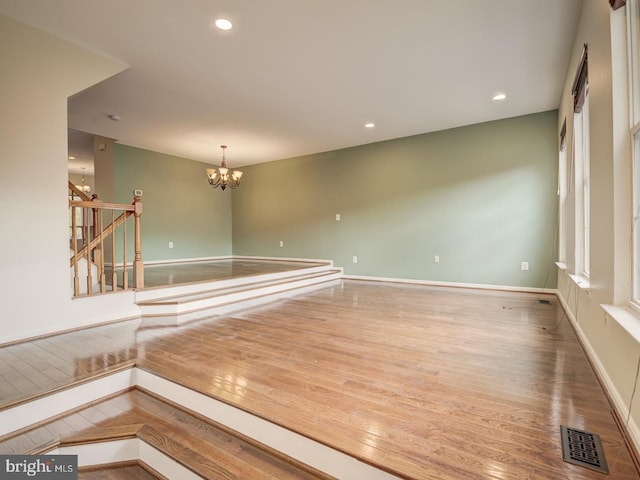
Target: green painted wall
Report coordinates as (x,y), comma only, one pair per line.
(178,204)
(482,197)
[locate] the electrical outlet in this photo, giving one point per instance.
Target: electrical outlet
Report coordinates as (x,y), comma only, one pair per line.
(436,259)
(337,217)
(524,265)
(170,244)
(355,259)
(282,243)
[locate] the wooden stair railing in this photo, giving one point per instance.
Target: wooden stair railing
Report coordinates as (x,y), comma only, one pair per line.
(88,241)
(76,193)
(79,193)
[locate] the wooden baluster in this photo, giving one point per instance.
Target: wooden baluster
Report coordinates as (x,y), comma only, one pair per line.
(74,243)
(103,278)
(97,230)
(89,255)
(94,198)
(83,238)
(86,215)
(138,266)
(125,275)
(114,273)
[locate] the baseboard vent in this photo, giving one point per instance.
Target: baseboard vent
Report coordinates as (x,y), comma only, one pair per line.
(583,449)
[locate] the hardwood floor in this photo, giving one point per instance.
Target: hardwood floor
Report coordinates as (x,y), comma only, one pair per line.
(424,382)
(126,472)
(32,368)
(178,273)
(429,382)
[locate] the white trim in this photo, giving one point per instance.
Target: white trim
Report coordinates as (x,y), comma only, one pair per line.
(47,406)
(76,328)
(166,291)
(163,464)
(188,311)
(103,453)
(223,257)
(479,286)
(295,445)
(127,450)
(171,261)
(285,259)
(618,403)
(303,449)
(561,266)
(634,433)
(187,260)
(581,281)
(626,317)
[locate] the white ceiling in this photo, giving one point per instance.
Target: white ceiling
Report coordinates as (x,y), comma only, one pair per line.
(295,77)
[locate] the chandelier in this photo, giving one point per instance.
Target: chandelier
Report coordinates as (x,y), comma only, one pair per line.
(221,177)
(82,187)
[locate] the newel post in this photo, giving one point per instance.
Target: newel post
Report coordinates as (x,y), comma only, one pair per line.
(138,265)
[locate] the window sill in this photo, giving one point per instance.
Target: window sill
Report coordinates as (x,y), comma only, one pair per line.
(561,266)
(626,317)
(582,282)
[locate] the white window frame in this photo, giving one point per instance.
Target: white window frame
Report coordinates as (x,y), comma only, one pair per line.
(582,188)
(586,189)
(633,32)
(562,198)
(635,145)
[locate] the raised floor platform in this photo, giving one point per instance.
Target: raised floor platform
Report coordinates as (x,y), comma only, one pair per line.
(177,273)
(234,284)
(412,381)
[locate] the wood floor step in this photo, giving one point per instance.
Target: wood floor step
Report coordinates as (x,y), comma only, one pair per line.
(162,291)
(67,385)
(208,449)
(221,292)
(176,309)
(130,471)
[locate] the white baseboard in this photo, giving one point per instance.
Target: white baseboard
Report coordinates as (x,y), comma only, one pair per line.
(102,453)
(619,405)
(126,450)
(479,286)
(25,414)
(222,257)
(64,328)
(297,446)
(304,449)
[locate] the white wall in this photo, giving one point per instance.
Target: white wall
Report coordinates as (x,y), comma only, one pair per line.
(39,73)
(609,340)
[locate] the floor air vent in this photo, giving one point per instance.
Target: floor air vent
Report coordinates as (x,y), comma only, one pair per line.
(544,301)
(583,448)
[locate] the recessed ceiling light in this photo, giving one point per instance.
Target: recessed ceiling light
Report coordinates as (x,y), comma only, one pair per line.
(71,157)
(499,97)
(369,125)
(224,24)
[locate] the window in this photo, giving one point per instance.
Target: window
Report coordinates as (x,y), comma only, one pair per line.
(586,187)
(636,214)
(633,27)
(581,163)
(562,195)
